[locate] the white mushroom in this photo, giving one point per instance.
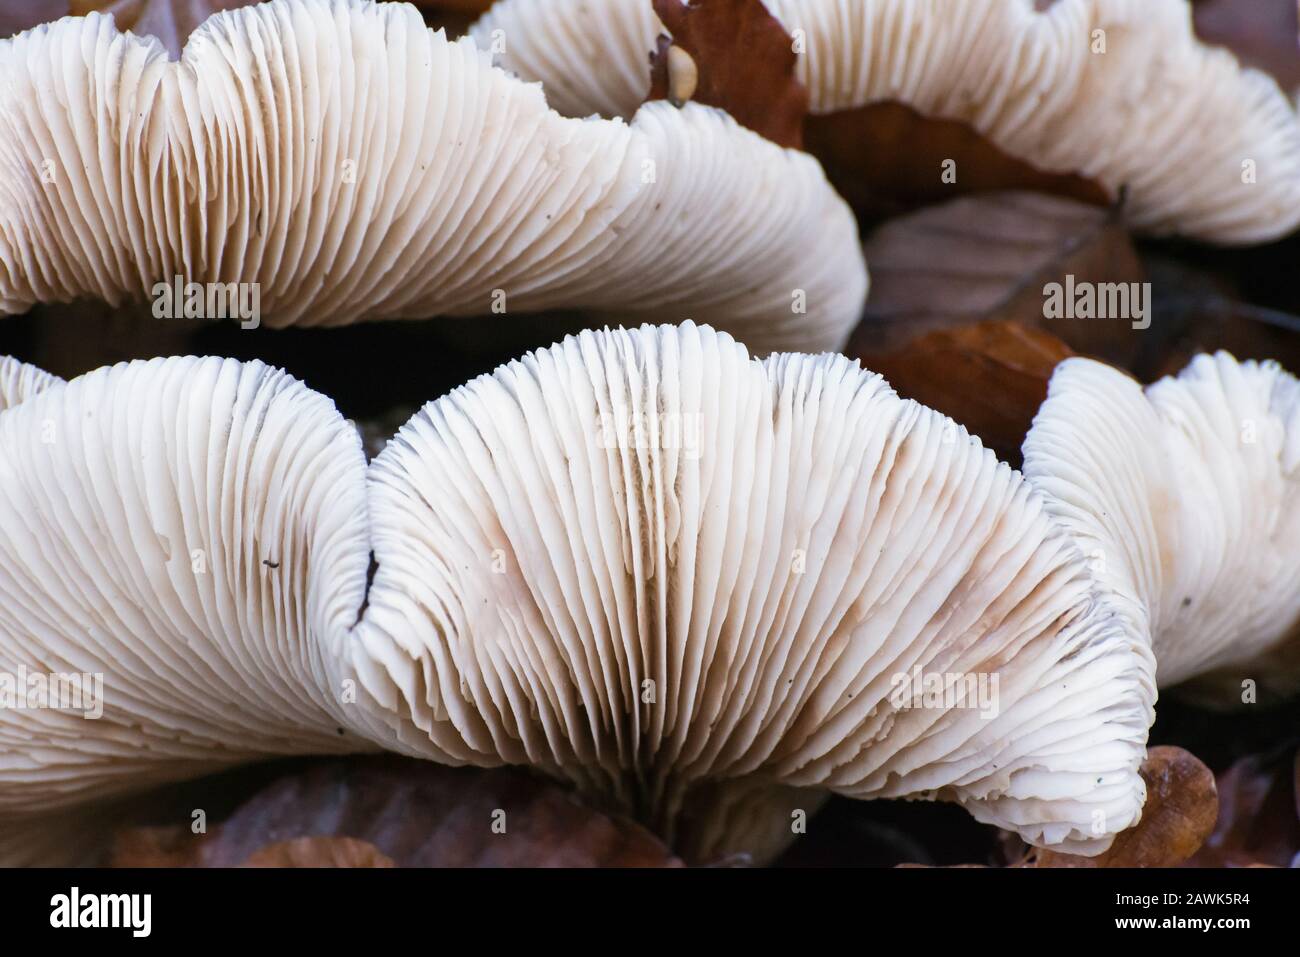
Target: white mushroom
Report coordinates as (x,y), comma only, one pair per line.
(355,165)
(183,548)
(1186,497)
(647,563)
(1120,91)
(704,589)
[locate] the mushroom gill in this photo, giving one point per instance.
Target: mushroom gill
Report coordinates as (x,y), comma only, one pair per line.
(180,541)
(706,590)
(1186,498)
(1119,91)
(355,165)
(18,381)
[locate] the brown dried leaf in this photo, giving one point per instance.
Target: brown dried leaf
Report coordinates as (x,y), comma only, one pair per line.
(1259,814)
(993,380)
(1193,324)
(169,846)
(454,16)
(19,15)
(989,257)
(415,813)
(887,159)
(1178,817)
(745,63)
(1264,34)
(320,852)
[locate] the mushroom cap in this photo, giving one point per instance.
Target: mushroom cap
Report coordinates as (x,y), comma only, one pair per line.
(691,583)
(194,532)
(647,563)
(356,165)
(1158,112)
(1186,498)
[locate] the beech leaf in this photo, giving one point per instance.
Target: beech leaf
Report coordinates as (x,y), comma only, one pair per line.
(1179,815)
(1259,813)
(743,62)
(887,158)
(992,257)
(411,813)
(320,852)
(991,377)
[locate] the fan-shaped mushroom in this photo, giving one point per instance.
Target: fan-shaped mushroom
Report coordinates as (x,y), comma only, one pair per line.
(355,165)
(1120,91)
(185,538)
(691,583)
(1186,497)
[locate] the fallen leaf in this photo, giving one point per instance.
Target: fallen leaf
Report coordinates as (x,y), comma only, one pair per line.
(744,63)
(320,852)
(454,16)
(20,15)
(1179,815)
(887,159)
(991,258)
(1259,813)
(1264,34)
(991,377)
(169,846)
(1193,324)
(414,813)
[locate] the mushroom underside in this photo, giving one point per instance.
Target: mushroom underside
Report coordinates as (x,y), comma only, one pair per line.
(683,580)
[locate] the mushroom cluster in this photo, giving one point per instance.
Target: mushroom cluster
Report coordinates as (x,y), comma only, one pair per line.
(1186,498)
(1120,91)
(696,585)
(353,164)
(692,566)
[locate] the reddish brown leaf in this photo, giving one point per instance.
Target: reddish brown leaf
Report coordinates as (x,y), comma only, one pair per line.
(1264,34)
(991,257)
(455,16)
(745,62)
(1178,816)
(1259,813)
(19,15)
(886,159)
(415,813)
(994,377)
(170,846)
(320,852)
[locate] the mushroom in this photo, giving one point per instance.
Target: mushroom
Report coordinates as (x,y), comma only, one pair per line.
(1121,91)
(688,582)
(332,162)
(704,589)
(183,549)
(1186,498)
